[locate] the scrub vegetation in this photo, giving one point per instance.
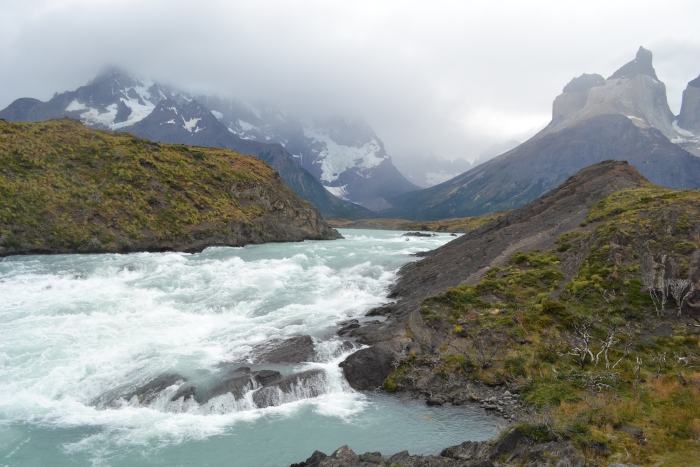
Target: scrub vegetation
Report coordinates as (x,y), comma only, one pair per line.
(458,224)
(64,188)
(598,336)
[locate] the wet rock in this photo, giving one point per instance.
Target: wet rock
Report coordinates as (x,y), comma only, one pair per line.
(312,461)
(266,377)
(150,391)
(368,368)
(347,327)
(437,400)
(238,382)
(374,332)
(294,350)
(384,310)
(304,385)
(418,234)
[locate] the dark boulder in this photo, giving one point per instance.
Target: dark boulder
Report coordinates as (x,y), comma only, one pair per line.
(368,368)
(237,382)
(468,450)
(418,234)
(145,393)
(266,377)
(294,350)
(347,326)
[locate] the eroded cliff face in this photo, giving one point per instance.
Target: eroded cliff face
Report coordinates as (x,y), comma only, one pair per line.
(67,189)
(640,98)
(689,118)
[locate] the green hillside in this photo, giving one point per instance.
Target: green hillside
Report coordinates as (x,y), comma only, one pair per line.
(66,188)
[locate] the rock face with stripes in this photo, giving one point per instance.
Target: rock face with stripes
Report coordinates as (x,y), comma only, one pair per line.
(623,117)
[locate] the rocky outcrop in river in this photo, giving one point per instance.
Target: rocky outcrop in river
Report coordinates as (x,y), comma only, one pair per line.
(512,450)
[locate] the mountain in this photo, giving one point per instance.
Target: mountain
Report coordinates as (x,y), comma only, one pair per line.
(495,150)
(344,154)
(67,189)
(116,101)
(430,170)
(689,118)
(625,117)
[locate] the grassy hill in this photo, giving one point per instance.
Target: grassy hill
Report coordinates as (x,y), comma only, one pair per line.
(65,188)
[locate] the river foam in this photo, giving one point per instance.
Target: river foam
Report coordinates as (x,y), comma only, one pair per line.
(75,327)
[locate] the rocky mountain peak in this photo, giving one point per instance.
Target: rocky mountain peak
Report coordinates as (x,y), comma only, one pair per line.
(689,118)
(583,82)
(695,83)
(641,65)
(633,91)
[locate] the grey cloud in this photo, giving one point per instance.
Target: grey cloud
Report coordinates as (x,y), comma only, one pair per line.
(448,77)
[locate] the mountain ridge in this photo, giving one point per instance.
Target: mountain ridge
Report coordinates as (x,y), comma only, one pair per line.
(622,118)
(116,101)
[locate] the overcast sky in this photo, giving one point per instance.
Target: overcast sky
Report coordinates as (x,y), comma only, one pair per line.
(446,77)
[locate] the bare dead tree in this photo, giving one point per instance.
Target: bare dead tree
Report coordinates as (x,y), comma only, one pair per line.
(658,298)
(607,344)
(486,346)
(628,344)
(637,373)
(677,288)
(609,295)
(690,291)
(581,346)
(660,359)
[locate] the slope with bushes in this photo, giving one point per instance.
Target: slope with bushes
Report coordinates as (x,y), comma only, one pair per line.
(66,188)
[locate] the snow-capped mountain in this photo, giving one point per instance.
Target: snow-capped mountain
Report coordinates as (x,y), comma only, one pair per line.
(344,154)
(113,100)
(117,101)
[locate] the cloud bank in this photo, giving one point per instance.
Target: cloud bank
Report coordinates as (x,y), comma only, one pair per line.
(447,77)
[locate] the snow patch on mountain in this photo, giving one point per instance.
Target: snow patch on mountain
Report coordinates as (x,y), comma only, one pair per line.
(245,126)
(435,178)
(336,158)
(217,114)
(75,105)
(338,191)
(191,125)
(93,117)
(681,131)
(138,112)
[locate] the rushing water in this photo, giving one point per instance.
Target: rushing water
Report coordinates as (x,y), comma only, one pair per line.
(75,330)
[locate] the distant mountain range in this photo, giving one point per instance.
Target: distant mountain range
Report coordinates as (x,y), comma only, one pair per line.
(338,164)
(431,170)
(341,166)
(624,117)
